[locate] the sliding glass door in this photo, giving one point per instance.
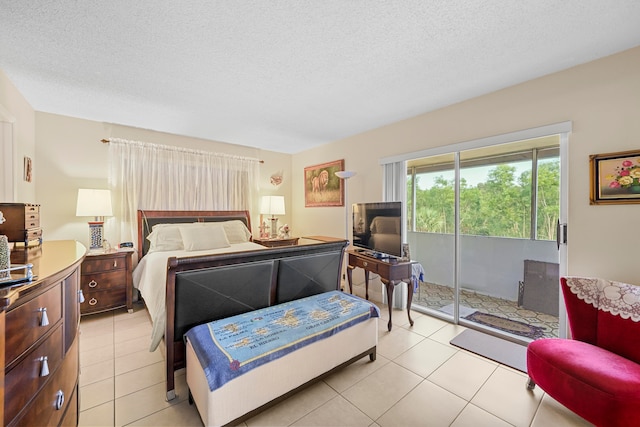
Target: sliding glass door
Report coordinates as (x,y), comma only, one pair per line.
(431,216)
(482,223)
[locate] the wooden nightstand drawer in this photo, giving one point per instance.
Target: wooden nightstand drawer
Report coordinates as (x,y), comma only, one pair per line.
(103,281)
(97,301)
(98,263)
(23,324)
(106,282)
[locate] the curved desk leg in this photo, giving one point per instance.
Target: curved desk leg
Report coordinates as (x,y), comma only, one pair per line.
(389,286)
(366,284)
(349,278)
(409,299)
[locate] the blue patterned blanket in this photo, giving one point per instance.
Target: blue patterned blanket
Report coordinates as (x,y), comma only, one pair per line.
(229,347)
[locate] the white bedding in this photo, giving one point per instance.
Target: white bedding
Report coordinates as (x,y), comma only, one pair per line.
(150,278)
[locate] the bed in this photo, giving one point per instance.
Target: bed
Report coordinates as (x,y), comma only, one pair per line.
(188,285)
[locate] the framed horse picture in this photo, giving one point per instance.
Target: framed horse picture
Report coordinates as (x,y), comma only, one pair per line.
(321,185)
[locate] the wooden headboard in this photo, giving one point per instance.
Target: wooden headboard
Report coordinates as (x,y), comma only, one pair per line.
(147,219)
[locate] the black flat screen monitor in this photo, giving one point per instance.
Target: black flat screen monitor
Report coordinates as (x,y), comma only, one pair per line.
(377,228)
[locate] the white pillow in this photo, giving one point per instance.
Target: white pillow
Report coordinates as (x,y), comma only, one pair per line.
(236,231)
(165,237)
(200,237)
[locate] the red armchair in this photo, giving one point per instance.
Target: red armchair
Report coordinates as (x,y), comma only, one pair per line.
(596,374)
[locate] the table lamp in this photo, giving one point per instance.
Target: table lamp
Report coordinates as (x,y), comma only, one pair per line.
(272,205)
(95,203)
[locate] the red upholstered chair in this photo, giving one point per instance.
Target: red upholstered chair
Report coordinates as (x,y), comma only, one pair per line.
(596,374)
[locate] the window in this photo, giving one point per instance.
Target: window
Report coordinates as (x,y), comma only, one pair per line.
(509,190)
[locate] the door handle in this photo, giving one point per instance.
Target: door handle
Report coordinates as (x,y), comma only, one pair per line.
(561,234)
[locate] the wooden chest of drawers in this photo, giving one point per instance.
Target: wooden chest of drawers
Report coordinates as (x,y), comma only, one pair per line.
(40,341)
(106,282)
(23,222)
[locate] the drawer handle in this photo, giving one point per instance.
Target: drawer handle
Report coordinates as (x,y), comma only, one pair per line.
(115,263)
(93,301)
(365,263)
(80,296)
(44,320)
(59,400)
(93,284)
(44,367)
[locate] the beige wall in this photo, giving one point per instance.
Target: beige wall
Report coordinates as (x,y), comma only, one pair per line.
(15,109)
(601,98)
(71,156)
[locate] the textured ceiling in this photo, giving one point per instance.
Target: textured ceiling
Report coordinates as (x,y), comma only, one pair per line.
(287,75)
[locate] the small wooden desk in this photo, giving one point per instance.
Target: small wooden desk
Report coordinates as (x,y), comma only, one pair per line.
(390,275)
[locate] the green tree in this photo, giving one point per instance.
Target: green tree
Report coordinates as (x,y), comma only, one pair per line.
(501,206)
(548,199)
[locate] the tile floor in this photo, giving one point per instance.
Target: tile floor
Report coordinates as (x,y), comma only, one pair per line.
(418,379)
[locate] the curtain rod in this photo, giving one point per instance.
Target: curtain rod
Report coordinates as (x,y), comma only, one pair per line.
(106,141)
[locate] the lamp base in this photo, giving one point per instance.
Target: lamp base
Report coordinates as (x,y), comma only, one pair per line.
(274,227)
(96,231)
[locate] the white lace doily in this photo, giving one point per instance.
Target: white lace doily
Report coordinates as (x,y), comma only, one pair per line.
(619,299)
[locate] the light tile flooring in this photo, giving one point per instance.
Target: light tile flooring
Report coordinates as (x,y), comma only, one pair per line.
(418,379)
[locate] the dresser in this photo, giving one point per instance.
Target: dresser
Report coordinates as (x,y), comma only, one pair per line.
(23,222)
(40,340)
(106,281)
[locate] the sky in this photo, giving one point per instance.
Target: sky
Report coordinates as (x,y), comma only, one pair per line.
(473,176)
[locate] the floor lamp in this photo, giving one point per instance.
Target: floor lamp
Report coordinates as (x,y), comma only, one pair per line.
(345,175)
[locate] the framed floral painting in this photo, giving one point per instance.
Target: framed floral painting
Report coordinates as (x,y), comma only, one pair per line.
(615,178)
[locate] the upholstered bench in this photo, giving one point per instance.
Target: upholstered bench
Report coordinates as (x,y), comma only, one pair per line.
(597,373)
(238,366)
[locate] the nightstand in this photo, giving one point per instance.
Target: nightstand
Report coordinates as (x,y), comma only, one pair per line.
(106,282)
(272,243)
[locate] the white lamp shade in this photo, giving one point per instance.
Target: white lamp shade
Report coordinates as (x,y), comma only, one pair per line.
(272,205)
(94,203)
(345,174)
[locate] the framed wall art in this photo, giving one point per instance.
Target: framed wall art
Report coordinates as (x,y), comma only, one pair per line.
(28,169)
(615,178)
(321,185)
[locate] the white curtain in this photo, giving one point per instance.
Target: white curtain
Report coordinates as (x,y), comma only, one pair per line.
(394,189)
(149,176)
(394,182)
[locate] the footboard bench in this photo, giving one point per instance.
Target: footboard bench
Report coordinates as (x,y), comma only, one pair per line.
(238,366)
